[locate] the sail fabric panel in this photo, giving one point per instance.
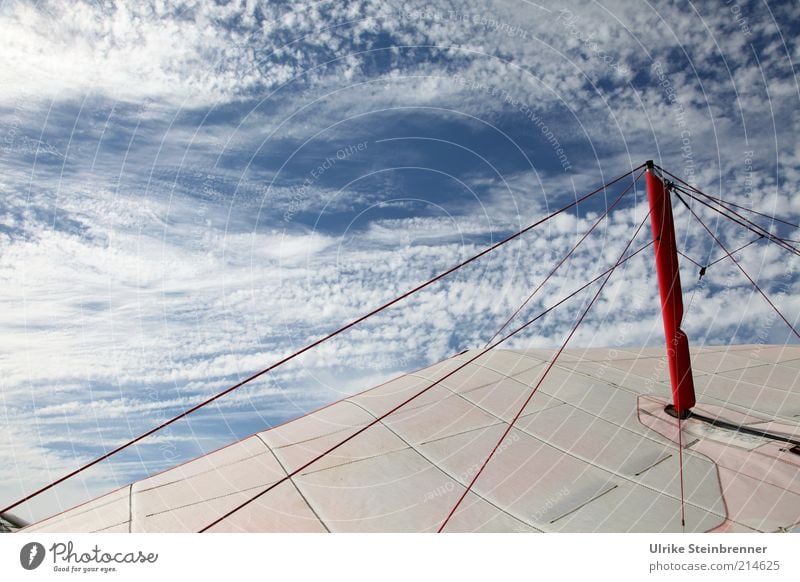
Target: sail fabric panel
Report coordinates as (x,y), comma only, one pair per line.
(594,450)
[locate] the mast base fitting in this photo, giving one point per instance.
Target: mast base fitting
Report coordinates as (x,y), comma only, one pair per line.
(671,410)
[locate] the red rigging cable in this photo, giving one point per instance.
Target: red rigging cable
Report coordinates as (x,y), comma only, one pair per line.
(733,252)
(745,208)
(722,258)
(317,342)
(563,260)
(749,225)
(690,259)
(680,472)
(544,375)
(742,220)
(728,203)
(482,352)
(729,255)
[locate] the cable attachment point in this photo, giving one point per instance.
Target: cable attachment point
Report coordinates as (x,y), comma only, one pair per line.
(670,409)
(678,194)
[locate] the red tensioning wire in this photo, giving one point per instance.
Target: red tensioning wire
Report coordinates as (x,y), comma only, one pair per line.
(749,278)
(424,390)
(745,208)
(568,255)
(690,259)
(680,473)
(737,218)
(741,248)
(317,342)
(718,201)
(544,375)
(754,227)
(749,225)
(729,203)
(723,257)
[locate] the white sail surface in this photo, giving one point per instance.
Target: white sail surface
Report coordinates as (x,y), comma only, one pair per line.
(594,451)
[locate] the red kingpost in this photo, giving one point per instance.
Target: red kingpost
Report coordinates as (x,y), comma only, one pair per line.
(669,284)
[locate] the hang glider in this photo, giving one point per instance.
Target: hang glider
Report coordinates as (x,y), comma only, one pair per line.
(594,451)
(651,439)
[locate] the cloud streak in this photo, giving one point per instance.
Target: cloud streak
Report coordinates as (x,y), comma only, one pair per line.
(166,230)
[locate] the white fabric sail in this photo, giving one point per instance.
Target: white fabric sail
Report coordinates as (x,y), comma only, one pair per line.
(594,451)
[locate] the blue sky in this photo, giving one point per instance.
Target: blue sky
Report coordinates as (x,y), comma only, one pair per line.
(190,190)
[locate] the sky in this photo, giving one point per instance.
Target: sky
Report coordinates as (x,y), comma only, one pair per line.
(191,190)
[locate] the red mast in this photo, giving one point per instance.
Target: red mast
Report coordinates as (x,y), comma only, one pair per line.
(669,284)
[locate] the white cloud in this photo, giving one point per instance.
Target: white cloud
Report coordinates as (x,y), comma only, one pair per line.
(130,270)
